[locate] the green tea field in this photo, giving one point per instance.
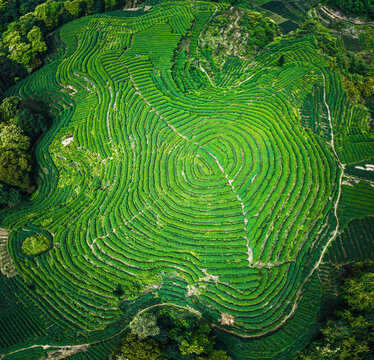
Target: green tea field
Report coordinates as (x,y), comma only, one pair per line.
(231,192)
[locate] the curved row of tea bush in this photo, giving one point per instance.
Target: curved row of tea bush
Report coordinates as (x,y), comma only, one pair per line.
(157,177)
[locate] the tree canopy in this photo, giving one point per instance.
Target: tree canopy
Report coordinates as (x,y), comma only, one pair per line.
(145,325)
(348,334)
(358,291)
(15,167)
(13,138)
(355,7)
(135,349)
(32,124)
(18,126)
(9,195)
(173,334)
(9,107)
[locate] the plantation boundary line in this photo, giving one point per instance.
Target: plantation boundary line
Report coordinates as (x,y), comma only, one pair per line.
(197,313)
(250,77)
(347,263)
(203,70)
(45,347)
(108,113)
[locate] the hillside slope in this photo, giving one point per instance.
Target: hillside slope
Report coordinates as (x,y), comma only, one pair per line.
(217,191)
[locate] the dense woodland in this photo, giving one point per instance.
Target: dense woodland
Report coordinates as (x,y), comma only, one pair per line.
(364,8)
(347,333)
(19,129)
(173,334)
(170,334)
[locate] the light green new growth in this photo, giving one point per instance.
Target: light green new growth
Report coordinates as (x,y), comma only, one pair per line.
(35,244)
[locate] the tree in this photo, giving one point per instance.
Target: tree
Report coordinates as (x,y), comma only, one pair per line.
(3,194)
(74,7)
(32,124)
(281,61)
(48,12)
(358,291)
(19,51)
(135,349)
(14,196)
(198,342)
(355,7)
(27,6)
(367,89)
(216,355)
(9,71)
(118,291)
(9,195)
(3,5)
(109,4)
(348,334)
(184,336)
(9,107)
(36,39)
(180,336)
(13,138)
(15,167)
(145,325)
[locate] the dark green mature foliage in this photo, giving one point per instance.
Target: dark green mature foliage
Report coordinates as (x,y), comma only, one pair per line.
(14,113)
(11,10)
(178,335)
(349,334)
(216,355)
(9,195)
(15,163)
(355,7)
(18,127)
(184,336)
(31,123)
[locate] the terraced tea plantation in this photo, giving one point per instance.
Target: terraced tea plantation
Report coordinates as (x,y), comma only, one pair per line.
(161,182)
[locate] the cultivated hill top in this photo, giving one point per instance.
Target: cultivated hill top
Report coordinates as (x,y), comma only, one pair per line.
(186,169)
